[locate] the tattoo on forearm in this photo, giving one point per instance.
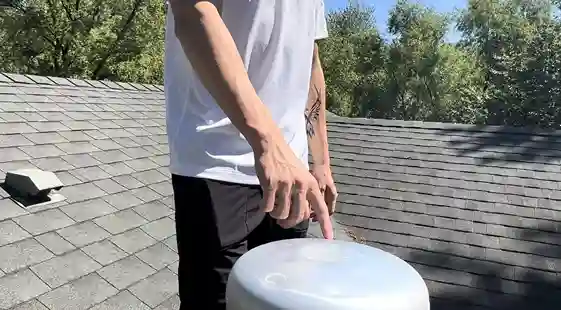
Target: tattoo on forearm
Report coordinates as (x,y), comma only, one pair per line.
(312,114)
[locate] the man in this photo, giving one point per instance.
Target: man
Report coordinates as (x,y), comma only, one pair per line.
(238,74)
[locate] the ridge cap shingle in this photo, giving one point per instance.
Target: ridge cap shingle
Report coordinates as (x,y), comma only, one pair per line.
(31,79)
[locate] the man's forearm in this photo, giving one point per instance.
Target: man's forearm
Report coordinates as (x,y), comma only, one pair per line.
(316,126)
(213,54)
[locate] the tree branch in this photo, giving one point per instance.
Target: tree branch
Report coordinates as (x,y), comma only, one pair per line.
(67,11)
(120,36)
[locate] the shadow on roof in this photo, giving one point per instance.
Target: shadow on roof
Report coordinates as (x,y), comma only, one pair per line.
(493,285)
(506,144)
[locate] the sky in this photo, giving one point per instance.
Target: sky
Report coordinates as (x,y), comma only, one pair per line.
(383,7)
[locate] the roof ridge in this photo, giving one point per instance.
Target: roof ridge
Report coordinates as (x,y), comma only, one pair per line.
(445,127)
(74,82)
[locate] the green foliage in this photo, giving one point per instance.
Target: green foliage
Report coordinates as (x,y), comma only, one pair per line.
(505,70)
(96,39)
(353,58)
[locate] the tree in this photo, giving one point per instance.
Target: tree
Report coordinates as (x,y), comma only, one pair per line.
(96,39)
(353,59)
(520,48)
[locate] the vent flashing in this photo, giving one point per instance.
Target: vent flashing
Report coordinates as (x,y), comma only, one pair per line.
(33,187)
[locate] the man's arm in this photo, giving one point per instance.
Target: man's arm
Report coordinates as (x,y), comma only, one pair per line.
(212,52)
(316,126)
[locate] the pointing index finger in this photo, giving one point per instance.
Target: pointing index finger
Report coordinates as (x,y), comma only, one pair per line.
(317,203)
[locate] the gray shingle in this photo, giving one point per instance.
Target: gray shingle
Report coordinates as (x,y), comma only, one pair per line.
(31,116)
(109,186)
(22,254)
(55,243)
(47,126)
(106,115)
(95,134)
(10,232)
(80,83)
(122,301)
(143,141)
(77,147)
(137,132)
(136,152)
(40,151)
(126,142)
(116,133)
(51,164)
(111,156)
(62,269)
(157,288)
(133,240)
(78,125)
(15,105)
(106,144)
(75,136)
(120,221)
(83,233)
(44,221)
(153,210)
(81,160)
(81,192)
(171,242)
(105,120)
(19,287)
(12,118)
(174,267)
(145,194)
(161,160)
(149,176)
(11,154)
(122,200)
(13,141)
(60,81)
(45,137)
(88,174)
(80,116)
(163,188)
(158,256)
(104,252)
(34,304)
(19,78)
(160,229)
(125,272)
(79,294)
(87,210)
(128,181)
(4,79)
(67,179)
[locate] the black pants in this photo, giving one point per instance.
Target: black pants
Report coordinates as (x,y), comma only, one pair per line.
(216,223)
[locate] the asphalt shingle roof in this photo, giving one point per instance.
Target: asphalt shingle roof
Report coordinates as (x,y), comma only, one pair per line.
(111,243)
(475,210)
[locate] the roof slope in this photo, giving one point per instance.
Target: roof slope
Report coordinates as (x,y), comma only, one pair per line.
(115,232)
(475,210)
(111,242)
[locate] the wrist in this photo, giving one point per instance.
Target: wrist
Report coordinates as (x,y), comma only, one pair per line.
(323,164)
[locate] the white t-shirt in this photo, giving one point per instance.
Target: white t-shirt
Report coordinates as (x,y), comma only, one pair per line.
(275,39)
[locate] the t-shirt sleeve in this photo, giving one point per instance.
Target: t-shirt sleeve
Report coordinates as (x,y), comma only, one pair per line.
(321,21)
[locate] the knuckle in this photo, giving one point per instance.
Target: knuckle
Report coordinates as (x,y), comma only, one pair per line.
(285,181)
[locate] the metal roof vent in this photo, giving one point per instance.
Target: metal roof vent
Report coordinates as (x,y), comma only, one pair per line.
(33,187)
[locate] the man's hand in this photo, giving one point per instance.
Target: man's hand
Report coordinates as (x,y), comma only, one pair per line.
(322,173)
(290,192)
